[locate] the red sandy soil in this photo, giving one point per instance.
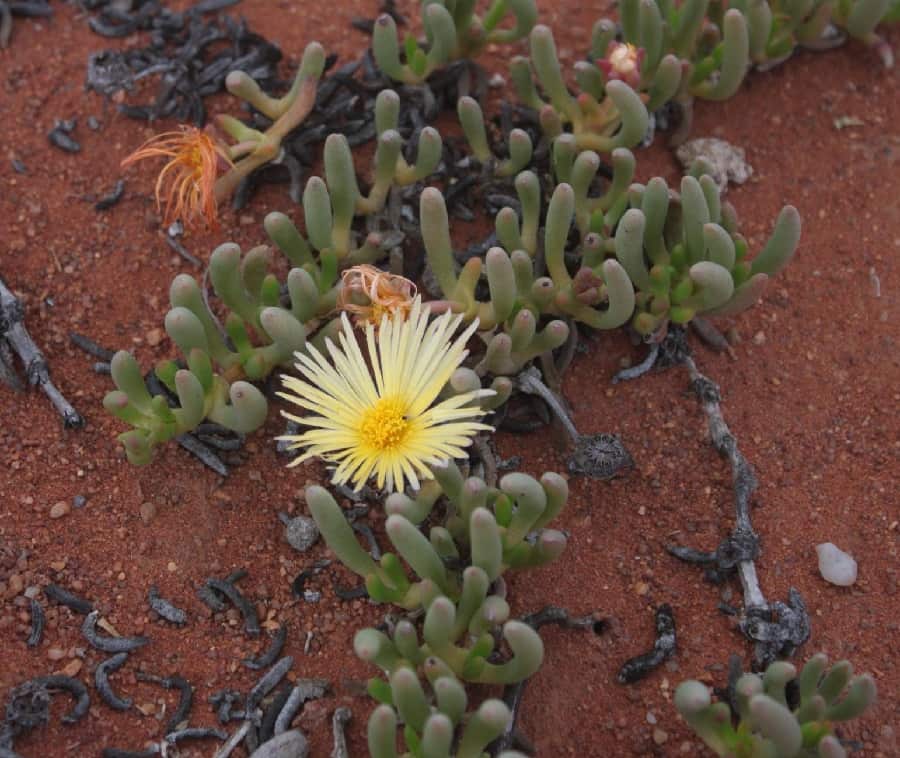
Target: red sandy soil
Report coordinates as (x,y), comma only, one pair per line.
(812,395)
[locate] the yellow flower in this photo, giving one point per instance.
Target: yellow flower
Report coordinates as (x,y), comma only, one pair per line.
(385,421)
(623,61)
(195,158)
(387,294)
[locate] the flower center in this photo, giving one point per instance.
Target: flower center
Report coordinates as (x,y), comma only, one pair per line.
(384,425)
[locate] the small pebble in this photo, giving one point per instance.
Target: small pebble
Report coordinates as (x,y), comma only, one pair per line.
(172,567)
(60,509)
(56,654)
(148,511)
(660,736)
(79,501)
(301,533)
(836,566)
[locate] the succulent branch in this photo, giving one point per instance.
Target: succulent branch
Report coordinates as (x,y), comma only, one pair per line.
(604,116)
(770,720)
(259,335)
(453,31)
(519,147)
(253,148)
(685,262)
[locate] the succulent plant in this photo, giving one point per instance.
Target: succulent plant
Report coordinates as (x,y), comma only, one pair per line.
(519,299)
(252,147)
(220,362)
(429,727)
(519,146)
(486,531)
(774,720)
(604,115)
(453,31)
(777,28)
(686,258)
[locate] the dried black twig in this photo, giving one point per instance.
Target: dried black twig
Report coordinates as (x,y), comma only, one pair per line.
(553,614)
(101,680)
(265,685)
(271,653)
(663,648)
(349,593)
(164,608)
(777,628)
(108,201)
(39,689)
(37,624)
(68,599)
(14,335)
(233,741)
(339,721)
(91,347)
(304,689)
(109,644)
(224,701)
(195,733)
(112,752)
(190,57)
(185,696)
(271,711)
(627,374)
(247,609)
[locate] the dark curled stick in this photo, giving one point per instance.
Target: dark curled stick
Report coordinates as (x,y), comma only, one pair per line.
(91,347)
(101,679)
(185,699)
(271,654)
(777,629)
(37,624)
(304,689)
(164,608)
(224,700)
(108,201)
(13,332)
(59,682)
(201,451)
(265,685)
(109,644)
(339,721)
(664,648)
(68,599)
(270,714)
(195,733)
(351,593)
(251,620)
(640,369)
(113,752)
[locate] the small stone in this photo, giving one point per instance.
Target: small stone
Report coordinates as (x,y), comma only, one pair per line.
(154,337)
(759,338)
(301,533)
(497,81)
(660,736)
(836,566)
(148,511)
(172,567)
(16,584)
(727,162)
(79,501)
(73,667)
(60,509)
(56,654)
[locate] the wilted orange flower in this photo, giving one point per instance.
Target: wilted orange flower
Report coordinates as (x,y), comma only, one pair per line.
(387,294)
(190,174)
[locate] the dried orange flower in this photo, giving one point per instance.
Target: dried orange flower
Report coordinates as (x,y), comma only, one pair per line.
(387,293)
(195,158)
